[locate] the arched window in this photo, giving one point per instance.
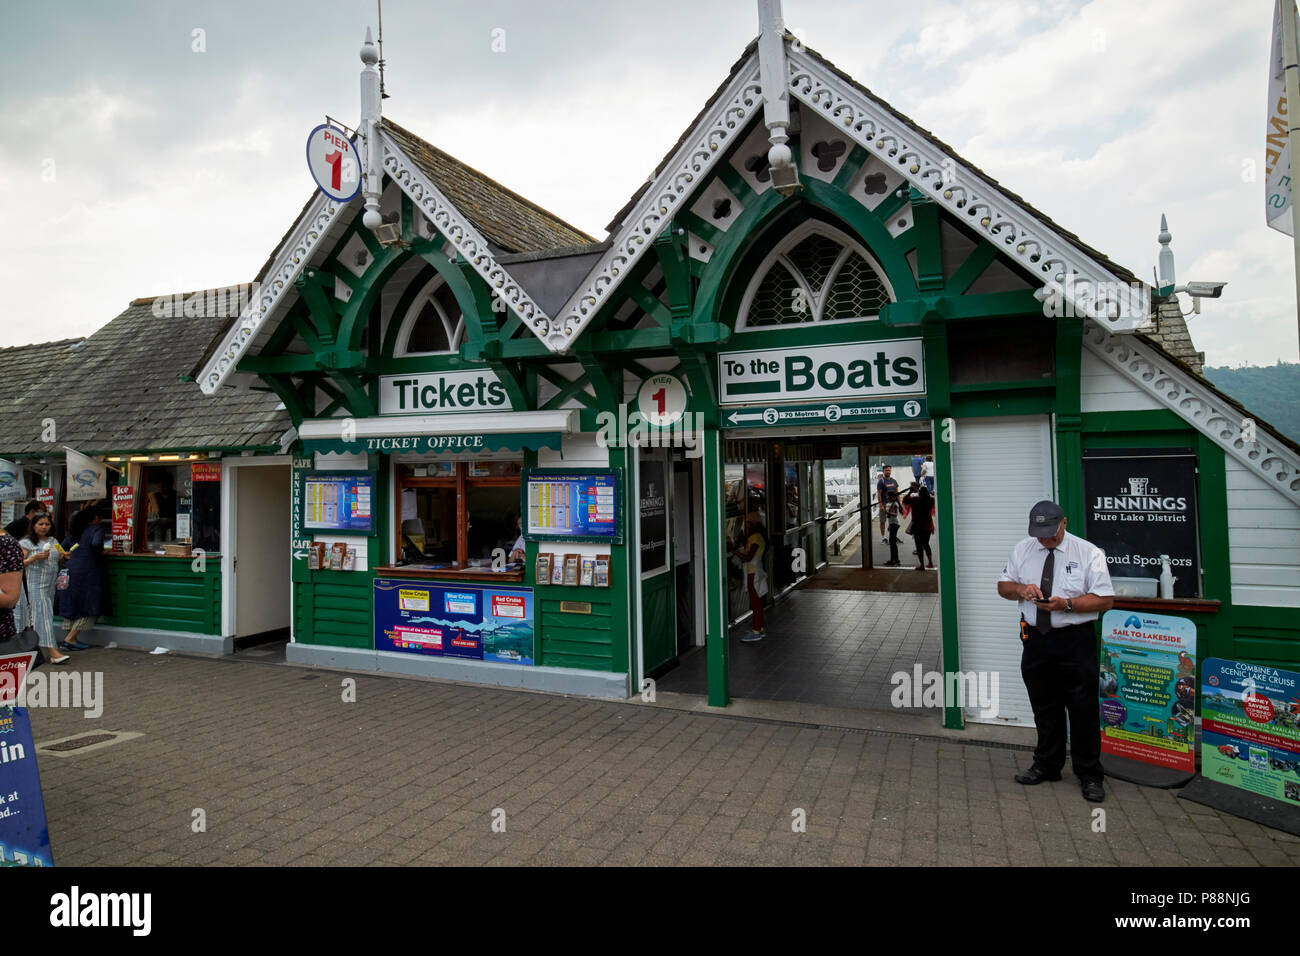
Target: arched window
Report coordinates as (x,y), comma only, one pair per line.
(433,325)
(816,274)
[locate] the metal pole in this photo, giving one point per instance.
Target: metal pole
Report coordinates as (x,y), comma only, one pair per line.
(1292,70)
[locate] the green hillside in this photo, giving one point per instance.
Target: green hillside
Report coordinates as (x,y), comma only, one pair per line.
(1270,391)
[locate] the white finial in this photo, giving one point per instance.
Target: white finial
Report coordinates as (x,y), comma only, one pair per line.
(1166,254)
(369,55)
(776,94)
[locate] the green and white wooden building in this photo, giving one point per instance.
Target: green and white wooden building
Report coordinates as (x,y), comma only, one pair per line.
(450,338)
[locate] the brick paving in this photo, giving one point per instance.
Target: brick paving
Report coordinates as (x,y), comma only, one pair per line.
(287,773)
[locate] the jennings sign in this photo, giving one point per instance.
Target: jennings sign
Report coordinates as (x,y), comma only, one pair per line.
(1140,505)
(842,372)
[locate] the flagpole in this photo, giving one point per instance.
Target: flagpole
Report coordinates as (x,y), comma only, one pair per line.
(1292,70)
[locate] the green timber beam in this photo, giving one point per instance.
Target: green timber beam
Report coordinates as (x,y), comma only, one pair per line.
(935,337)
(715,572)
(924,234)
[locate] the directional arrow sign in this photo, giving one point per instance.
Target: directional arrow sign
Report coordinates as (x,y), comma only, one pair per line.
(299,555)
(898,409)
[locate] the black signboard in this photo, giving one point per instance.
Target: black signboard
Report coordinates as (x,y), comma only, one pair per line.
(1140,504)
(654,517)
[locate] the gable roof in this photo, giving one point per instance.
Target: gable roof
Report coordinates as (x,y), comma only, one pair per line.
(505,218)
(121,389)
(1025,235)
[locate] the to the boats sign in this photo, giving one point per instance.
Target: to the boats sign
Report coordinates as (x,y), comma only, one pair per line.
(863,371)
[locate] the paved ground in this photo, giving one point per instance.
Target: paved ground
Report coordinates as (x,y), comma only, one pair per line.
(286,772)
(836,648)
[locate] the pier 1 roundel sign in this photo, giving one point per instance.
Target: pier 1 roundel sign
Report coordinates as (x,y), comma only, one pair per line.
(661,400)
(334,162)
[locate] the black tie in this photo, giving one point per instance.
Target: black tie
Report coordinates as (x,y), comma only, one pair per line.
(1044,622)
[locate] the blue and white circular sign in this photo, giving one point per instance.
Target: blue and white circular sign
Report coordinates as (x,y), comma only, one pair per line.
(334,162)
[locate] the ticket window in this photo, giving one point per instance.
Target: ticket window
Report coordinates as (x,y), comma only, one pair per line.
(458,514)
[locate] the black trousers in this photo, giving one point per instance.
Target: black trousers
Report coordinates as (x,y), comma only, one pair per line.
(1060,671)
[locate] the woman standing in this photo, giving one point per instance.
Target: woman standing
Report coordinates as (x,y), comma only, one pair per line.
(83,599)
(41,566)
(921,504)
(751,556)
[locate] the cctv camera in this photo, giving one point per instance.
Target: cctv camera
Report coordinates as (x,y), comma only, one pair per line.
(1205,290)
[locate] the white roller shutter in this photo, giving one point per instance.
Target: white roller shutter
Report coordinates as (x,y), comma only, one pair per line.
(1001,466)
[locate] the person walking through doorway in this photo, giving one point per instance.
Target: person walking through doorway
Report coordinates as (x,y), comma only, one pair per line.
(751,556)
(885,485)
(920,504)
(890,508)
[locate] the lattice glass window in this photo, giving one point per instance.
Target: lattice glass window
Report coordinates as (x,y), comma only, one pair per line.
(817,274)
(433,324)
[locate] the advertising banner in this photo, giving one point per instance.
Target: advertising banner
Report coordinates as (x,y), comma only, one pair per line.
(1250,728)
(12,486)
(46,497)
(205,471)
(478,622)
(1140,505)
(87,478)
(24,834)
(124,518)
(1148,688)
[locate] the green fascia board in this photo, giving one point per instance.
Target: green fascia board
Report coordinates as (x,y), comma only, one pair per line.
(504,441)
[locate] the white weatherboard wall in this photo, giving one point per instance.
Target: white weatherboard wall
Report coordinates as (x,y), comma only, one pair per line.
(1102,389)
(1263,541)
(1001,466)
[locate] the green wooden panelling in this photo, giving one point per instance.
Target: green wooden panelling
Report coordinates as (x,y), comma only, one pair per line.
(164,594)
(577,640)
(658,621)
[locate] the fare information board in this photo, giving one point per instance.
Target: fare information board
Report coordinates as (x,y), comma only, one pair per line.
(338,501)
(572,505)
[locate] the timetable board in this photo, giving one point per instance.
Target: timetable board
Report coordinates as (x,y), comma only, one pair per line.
(338,501)
(572,505)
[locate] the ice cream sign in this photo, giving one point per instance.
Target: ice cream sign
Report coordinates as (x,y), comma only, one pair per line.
(848,371)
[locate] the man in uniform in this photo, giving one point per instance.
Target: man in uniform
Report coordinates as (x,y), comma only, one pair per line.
(1062,584)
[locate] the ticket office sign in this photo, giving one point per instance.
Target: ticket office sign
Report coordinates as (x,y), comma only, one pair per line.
(1148,688)
(573,506)
(439,619)
(1250,728)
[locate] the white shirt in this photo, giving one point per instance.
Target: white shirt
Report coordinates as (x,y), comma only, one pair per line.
(927,469)
(1080,569)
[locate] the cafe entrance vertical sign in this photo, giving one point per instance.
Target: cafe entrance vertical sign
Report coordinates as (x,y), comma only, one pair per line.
(298,540)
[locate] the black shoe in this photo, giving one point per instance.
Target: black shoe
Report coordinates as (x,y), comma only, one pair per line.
(1092,791)
(1036,775)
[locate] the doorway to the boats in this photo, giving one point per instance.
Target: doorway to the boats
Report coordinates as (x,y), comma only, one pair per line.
(823,615)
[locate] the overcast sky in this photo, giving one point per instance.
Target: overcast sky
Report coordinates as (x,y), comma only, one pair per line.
(132,164)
